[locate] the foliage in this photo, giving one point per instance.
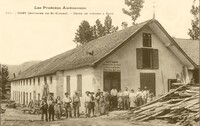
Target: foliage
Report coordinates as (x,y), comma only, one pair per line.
(135,7)
(86,33)
(4,77)
(194,31)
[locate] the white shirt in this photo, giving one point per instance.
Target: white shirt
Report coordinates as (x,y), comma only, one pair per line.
(67,99)
(88,98)
(113,92)
(126,93)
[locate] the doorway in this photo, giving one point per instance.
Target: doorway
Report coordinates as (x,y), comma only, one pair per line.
(111,80)
(148,80)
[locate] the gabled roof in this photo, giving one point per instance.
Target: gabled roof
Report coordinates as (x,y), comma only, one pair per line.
(190,47)
(78,57)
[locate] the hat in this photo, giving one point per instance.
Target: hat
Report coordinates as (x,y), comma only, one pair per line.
(91,92)
(66,93)
(76,92)
(87,92)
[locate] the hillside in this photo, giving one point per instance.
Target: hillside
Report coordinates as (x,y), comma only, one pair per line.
(21,67)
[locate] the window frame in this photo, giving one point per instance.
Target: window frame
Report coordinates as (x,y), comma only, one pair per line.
(145,41)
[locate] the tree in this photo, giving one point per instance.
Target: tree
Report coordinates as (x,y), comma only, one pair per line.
(194,31)
(108,27)
(100,30)
(84,33)
(135,7)
(4,77)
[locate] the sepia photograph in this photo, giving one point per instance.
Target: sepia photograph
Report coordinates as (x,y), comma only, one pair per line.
(99,63)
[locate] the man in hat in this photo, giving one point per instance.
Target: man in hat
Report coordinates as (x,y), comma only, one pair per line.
(92,103)
(67,100)
(44,108)
(76,103)
(87,104)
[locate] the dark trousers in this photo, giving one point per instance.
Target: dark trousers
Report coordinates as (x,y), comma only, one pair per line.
(44,113)
(126,103)
(68,111)
(114,101)
(76,109)
(51,112)
(92,108)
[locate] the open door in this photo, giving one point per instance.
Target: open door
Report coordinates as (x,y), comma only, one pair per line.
(111,80)
(148,80)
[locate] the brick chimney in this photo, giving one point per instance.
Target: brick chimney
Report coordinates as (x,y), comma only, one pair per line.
(124,25)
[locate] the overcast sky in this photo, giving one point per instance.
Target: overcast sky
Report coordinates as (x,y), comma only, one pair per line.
(38,37)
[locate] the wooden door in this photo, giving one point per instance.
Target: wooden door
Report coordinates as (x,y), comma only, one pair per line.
(148,80)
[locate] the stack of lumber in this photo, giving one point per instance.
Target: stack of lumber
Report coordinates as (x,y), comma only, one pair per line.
(180,106)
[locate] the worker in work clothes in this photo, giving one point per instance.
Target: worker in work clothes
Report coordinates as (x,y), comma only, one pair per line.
(126,98)
(139,97)
(51,108)
(87,104)
(44,108)
(76,103)
(67,103)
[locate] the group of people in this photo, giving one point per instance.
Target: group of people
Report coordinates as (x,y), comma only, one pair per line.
(124,100)
(98,103)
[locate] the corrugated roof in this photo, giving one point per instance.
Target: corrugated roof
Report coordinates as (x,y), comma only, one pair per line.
(190,47)
(78,57)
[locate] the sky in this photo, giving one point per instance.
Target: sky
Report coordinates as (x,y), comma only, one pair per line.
(28,37)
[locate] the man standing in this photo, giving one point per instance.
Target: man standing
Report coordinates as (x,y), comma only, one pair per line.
(76,104)
(67,100)
(87,104)
(107,101)
(126,98)
(44,108)
(113,94)
(51,108)
(97,96)
(146,94)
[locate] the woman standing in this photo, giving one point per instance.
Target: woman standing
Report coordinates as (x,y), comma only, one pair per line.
(132,99)
(58,107)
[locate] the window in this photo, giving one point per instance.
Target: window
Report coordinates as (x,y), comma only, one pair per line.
(79,84)
(147,58)
(68,84)
(38,80)
(30,81)
(27,82)
(30,97)
(51,79)
(38,96)
(24,82)
(45,79)
(147,40)
(33,81)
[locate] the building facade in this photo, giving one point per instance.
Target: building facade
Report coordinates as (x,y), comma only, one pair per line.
(138,56)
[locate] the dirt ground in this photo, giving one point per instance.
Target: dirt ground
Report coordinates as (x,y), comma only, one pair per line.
(15,117)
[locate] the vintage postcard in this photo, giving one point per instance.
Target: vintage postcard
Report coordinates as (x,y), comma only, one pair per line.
(99,62)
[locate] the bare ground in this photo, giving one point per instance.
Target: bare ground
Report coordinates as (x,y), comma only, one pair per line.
(15,117)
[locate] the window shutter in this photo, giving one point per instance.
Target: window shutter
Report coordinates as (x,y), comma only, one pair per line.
(139,58)
(79,84)
(155,59)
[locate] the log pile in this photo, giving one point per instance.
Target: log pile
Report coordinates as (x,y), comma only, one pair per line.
(180,106)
